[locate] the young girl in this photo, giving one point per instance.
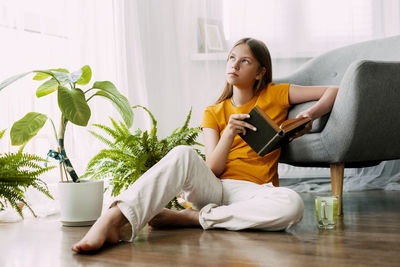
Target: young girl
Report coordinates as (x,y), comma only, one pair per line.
(234,188)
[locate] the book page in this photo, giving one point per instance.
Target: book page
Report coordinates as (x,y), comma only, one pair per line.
(291,124)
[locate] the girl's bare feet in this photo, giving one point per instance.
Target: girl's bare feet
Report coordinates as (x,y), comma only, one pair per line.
(105,230)
(183,218)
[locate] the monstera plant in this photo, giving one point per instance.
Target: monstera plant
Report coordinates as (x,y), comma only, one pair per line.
(73,103)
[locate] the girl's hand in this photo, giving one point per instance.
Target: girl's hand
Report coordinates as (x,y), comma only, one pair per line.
(307,128)
(237,125)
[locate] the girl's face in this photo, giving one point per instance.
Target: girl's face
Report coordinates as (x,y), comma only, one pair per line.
(242,69)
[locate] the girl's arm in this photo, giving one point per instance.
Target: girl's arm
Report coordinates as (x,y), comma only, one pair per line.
(217,149)
(324,94)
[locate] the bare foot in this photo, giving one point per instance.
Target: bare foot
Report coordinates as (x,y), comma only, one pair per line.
(105,230)
(183,218)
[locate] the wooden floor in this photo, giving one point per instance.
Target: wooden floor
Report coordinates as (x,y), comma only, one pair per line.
(368,235)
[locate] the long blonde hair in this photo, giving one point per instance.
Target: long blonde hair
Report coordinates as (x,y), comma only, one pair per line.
(261,53)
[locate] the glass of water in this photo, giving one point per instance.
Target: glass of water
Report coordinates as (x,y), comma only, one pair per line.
(326,208)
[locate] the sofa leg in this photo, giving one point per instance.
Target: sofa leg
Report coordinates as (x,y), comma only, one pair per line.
(337,173)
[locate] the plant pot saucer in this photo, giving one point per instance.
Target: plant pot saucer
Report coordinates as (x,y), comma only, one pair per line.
(78,224)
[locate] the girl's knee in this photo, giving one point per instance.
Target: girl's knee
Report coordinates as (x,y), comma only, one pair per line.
(293,212)
(289,208)
(182,149)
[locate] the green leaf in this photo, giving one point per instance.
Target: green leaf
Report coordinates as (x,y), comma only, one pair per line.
(120,101)
(121,105)
(2,133)
(47,87)
(153,119)
(44,74)
(73,105)
(76,75)
(86,75)
(60,70)
(41,76)
(27,127)
(12,79)
(61,75)
(107,86)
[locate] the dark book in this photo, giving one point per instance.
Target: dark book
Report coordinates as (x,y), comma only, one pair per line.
(269,135)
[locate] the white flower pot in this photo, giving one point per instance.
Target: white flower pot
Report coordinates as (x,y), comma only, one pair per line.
(80,203)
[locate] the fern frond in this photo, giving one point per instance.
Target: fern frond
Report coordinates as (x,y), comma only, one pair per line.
(130,155)
(153,120)
(118,129)
(19,171)
(101,138)
(186,124)
(107,130)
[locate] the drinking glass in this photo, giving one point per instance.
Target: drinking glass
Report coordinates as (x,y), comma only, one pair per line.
(326,211)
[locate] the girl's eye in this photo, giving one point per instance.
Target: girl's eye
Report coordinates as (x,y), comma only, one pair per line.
(245,61)
(231,58)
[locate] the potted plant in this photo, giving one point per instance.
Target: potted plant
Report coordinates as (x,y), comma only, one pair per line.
(129,155)
(18,172)
(76,197)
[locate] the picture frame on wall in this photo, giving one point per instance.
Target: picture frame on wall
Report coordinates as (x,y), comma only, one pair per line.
(211,37)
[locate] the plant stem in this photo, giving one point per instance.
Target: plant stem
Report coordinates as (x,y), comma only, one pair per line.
(90,97)
(61,167)
(54,129)
(67,162)
(88,90)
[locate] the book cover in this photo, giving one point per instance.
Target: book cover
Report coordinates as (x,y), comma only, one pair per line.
(269,135)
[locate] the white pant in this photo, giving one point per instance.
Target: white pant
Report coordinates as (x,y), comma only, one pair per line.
(226,203)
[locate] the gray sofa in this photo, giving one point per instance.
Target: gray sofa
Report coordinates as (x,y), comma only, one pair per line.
(363,127)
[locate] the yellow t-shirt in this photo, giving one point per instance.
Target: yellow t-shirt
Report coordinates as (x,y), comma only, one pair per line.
(243,163)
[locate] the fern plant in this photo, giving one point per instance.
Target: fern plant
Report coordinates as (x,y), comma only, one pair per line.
(130,155)
(18,171)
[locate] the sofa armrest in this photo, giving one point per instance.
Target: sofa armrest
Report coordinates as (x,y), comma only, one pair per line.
(318,124)
(364,123)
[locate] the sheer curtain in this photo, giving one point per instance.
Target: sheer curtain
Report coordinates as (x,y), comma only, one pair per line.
(306,28)
(67,33)
(51,34)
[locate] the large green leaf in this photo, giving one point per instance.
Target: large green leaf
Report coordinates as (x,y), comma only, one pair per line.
(62,77)
(107,86)
(121,105)
(86,75)
(60,70)
(73,105)
(12,79)
(59,74)
(76,75)
(47,87)
(42,76)
(120,101)
(27,127)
